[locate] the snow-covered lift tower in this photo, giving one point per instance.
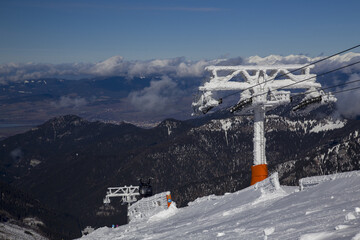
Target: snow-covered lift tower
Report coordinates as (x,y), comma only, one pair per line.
(260,91)
(127,193)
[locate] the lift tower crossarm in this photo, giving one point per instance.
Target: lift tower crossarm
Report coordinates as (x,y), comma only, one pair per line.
(127,193)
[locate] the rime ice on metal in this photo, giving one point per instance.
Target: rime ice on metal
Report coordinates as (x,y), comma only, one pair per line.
(146,207)
(260,92)
(128,194)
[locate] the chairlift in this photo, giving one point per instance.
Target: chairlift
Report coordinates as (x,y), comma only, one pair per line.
(241,104)
(145,188)
(204,103)
(106,200)
(205,109)
(307,102)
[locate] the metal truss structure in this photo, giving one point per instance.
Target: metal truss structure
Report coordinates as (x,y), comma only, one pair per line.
(261,88)
(127,193)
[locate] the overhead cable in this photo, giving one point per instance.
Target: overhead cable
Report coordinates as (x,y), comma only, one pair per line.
(321,74)
(292,71)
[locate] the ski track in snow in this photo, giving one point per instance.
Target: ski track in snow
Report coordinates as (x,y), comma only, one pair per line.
(329,210)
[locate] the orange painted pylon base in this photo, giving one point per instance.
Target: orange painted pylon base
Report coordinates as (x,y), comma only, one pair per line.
(258,173)
(168,199)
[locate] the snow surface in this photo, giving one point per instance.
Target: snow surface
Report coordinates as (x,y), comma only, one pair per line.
(308,126)
(328,125)
(295,126)
(328,210)
(225,125)
(312,181)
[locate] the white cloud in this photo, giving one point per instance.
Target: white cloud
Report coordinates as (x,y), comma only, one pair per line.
(347,103)
(13,72)
(160,96)
(70,102)
(324,66)
(276,59)
(189,69)
(175,67)
(114,66)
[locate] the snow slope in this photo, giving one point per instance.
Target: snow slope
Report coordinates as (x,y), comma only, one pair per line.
(330,209)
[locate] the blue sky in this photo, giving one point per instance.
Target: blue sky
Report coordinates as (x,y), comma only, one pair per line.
(94,30)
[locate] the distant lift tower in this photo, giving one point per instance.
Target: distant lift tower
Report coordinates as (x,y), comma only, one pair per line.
(260,91)
(127,193)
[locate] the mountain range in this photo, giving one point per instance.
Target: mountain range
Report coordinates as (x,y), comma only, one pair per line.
(68,162)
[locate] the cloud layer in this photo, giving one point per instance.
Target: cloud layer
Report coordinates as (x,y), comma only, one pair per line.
(163,93)
(348,101)
(174,67)
(114,66)
(70,102)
